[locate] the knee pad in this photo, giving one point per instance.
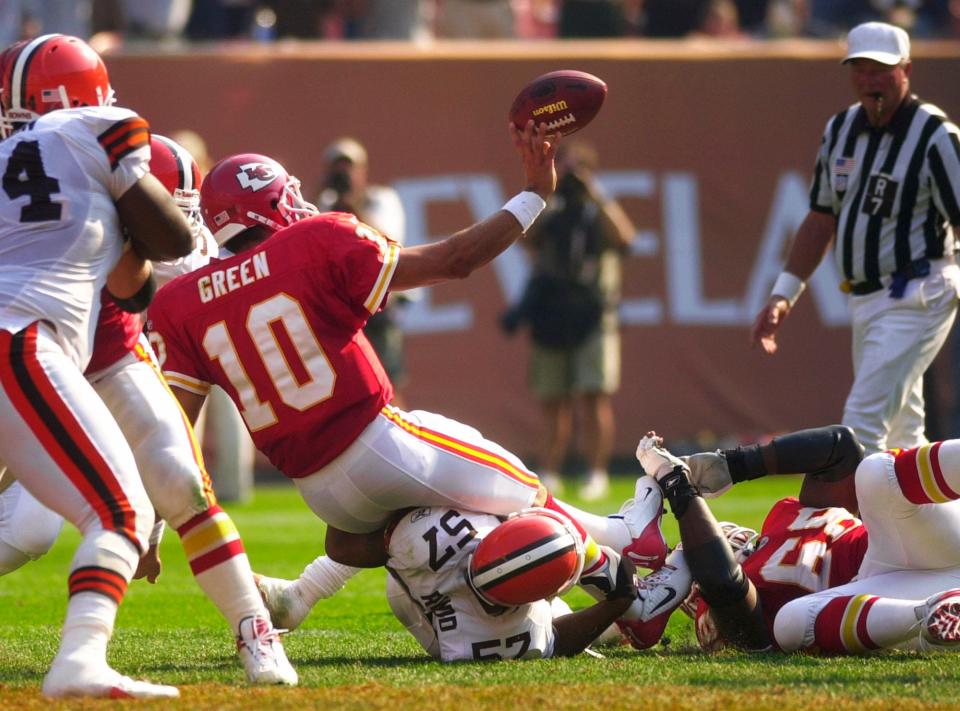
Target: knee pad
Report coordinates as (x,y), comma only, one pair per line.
(793,627)
(873,480)
(27,525)
(38,537)
(107,549)
(11,558)
(175,486)
(720,577)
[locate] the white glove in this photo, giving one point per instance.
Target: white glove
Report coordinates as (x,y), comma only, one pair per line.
(655,460)
(709,473)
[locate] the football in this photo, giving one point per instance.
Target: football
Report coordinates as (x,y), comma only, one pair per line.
(534,555)
(565,100)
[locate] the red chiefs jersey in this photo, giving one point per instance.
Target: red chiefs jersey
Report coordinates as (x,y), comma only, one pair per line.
(801,550)
(279,329)
(116,335)
(804,550)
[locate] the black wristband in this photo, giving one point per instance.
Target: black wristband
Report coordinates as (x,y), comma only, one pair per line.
(141,300)
(745,463)
(677,490)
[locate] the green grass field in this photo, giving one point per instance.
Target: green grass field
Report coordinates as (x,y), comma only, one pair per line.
(352,654)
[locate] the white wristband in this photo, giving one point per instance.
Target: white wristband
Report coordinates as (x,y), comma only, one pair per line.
(526,207)
(789,286)
(156,533)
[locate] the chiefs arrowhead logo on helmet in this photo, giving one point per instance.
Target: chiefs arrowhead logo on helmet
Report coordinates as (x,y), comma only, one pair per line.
(248,190)
(255,176)
(535,554)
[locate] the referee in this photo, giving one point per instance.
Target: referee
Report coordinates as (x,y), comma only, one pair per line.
(887,188)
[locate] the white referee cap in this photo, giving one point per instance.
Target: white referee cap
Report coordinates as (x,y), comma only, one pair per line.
(878,41)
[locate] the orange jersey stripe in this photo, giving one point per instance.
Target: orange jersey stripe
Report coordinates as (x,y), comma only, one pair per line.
(123,138)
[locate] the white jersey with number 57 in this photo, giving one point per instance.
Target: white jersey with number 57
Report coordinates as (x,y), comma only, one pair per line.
(59,231)
(428,553)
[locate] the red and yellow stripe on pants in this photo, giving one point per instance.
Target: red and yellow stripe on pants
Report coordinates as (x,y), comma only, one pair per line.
(841,625)
(920,476)
(463,449)
(209,539)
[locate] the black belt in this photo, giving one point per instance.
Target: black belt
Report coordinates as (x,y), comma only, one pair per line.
(914,270)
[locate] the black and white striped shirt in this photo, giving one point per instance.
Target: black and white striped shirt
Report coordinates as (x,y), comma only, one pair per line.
(895,191)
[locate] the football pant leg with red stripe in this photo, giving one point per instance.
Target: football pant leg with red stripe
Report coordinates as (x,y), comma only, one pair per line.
(416,459)
(171,465)
(67,450)
(28,529)
(64,446)
(854,618)
(908,501)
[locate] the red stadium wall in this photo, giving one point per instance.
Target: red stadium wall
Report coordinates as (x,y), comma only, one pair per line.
(709,148)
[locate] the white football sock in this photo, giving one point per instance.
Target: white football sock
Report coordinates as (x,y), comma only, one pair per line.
(321,579)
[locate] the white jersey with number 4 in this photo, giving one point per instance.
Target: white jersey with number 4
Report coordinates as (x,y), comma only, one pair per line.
(59,230)
(428,554)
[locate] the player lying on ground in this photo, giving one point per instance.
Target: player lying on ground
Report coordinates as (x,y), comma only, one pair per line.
(279,327)
(124,373)
(796,590)
(443,587)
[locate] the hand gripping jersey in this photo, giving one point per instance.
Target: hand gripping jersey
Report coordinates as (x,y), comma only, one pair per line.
(59,231)
(279,329)
(802,550)
(429,553)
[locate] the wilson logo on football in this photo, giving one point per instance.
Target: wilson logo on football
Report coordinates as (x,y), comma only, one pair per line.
(255,176)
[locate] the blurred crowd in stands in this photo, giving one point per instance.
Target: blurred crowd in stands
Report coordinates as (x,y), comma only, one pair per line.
(110,22)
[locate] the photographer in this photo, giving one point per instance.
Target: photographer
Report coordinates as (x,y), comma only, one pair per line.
(344,188)
(571,306)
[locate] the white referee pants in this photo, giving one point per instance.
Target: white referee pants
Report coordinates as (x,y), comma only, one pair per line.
(894,342)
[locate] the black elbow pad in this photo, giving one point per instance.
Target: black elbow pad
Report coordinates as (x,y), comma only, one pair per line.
(825,453)
(141,300)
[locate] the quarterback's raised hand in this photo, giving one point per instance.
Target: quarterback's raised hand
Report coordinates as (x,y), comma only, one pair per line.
(538,149)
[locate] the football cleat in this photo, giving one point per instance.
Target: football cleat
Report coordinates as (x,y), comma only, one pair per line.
(286,607)
(642,514)
(655,460)
(940,627)
(68,678)
(658,595)
(261,652)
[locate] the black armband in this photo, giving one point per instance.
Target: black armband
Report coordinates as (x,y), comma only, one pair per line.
(826,453)
(677,490)
(141,300)
(745,463)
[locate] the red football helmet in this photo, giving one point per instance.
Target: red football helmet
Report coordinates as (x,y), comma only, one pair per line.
(534,554)
(173,166)
(48,73)
(247,190)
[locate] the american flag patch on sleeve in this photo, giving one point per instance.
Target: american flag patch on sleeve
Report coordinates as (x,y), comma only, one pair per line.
(124,137)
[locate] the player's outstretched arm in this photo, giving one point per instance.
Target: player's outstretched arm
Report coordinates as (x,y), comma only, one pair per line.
(459,255)
(575,632)
(156,226)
